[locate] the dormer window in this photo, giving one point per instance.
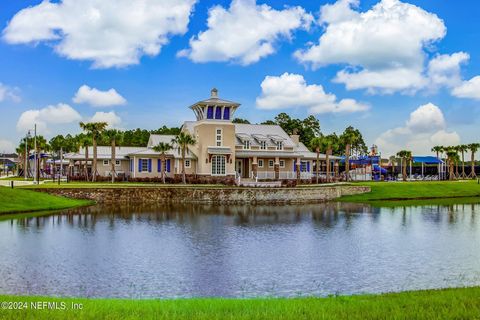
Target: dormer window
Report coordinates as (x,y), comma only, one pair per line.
(226,113)
(246,145)
(263,145)
(279,145)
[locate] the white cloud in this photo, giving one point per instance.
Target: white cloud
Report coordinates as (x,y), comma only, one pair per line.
(8,93)
(97,98)
(6,146)
(59,114)
(384,47)
(425,128)
(111,118)
(291,90)
(468,89)
(109,33)
(245,32)
(444,70)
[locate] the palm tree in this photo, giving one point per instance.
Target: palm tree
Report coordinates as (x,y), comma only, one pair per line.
(57,143)
(84,141)
(473,147)
(393,162)
(113,136)
(405,156)
(183,141)
(452,157)
(462,149)
(438,150)
(162,147)
(329,143)
(23,149)
(316,144)
(349,137)
(95,129)
(457,160)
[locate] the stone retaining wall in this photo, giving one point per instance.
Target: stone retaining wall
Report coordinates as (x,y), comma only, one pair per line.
(225,195)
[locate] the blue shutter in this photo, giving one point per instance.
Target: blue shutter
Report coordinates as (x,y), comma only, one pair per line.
(159,165)
(131,165)
(149,165)
(294,166)
(308,166)
(168,165)
(139,165)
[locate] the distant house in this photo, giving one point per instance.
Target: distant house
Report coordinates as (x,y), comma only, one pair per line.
(223,149)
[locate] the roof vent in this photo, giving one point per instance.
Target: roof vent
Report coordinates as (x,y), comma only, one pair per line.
(214,93)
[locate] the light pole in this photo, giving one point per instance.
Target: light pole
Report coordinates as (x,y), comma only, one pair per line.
(25,170)
(35,152)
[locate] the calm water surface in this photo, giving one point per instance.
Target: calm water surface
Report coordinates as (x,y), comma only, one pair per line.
(240,251)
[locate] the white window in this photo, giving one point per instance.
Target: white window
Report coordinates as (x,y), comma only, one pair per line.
(218,137)
(117,163)
(270,163)
(187,163)
(282,163)
(218,165)
(279,145)
(105,162)
(143,165)
(260,163)
(263,145)
(246,145)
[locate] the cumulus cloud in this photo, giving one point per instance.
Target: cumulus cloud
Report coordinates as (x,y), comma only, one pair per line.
(6,146)
(98,98)
(109,33)
(111,118)
(54,114)
(468,89)
(425,128)
(245,32)
(291,90)
(383,48)
(444,70)
(8,93)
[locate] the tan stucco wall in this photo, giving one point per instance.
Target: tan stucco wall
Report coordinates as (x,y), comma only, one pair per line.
(104,170)
(204,133)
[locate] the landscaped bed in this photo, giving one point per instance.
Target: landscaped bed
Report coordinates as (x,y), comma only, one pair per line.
(462,303)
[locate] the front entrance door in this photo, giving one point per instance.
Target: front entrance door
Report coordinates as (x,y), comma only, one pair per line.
(239,167)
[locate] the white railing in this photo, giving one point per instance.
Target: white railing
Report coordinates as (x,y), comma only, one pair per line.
(305,175)
(284,175)
(264,175)
(254,176)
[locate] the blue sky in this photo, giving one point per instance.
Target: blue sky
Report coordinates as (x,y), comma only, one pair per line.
(402,72)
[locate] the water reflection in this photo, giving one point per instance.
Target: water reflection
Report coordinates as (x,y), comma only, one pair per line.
(201,250)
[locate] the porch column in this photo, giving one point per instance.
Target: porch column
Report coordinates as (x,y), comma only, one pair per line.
(297,167)
(276,168)
(254,166)
(336,167)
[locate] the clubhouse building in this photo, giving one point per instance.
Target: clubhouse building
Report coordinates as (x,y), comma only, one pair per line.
(222,149)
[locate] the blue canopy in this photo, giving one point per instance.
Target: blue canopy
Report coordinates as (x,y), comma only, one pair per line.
(427,160)
(362,160)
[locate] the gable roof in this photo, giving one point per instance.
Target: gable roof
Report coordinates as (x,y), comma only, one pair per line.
(103,152)
(158,138)
(269,132)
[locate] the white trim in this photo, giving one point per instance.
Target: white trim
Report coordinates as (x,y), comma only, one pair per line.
(118,163)
(280,163)
(260,163)
(106,163)
(273,163)
(188,163)
(216,137)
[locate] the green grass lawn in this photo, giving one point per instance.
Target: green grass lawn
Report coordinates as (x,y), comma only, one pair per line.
(19,200)
(462,303)
(418,192)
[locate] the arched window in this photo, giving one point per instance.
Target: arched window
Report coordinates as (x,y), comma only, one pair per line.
(218,165)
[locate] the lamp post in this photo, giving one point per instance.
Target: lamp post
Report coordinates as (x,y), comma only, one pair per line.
(35,153)
(25,171)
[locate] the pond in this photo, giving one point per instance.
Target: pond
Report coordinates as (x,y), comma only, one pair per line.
(240,251)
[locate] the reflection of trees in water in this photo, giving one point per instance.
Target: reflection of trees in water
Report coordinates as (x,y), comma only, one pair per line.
(327,214)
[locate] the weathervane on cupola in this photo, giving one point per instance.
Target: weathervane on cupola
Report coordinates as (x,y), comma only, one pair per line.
(214,108)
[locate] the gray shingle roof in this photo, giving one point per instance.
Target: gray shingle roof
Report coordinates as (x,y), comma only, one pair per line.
(104,152)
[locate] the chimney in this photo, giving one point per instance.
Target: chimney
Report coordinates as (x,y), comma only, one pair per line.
(214,93)
(295,138)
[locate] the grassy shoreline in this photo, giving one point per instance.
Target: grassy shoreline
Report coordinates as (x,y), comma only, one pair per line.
(417,193)
(15,201)
(457,303)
